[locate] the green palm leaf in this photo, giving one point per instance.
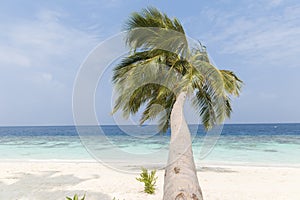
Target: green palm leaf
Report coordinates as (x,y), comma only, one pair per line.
(161,65)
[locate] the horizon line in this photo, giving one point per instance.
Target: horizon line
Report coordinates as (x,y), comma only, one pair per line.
(244,123)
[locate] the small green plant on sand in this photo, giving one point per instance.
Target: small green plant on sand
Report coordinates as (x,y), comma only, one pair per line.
(149,179)
(76,197)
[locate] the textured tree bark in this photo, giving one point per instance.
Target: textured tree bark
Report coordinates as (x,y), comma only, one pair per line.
(181,182)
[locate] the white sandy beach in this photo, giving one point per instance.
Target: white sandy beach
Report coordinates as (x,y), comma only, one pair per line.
(44,180)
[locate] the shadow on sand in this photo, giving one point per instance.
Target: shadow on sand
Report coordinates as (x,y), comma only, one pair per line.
(47,185)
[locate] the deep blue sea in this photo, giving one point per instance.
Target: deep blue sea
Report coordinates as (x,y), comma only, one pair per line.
(250,144)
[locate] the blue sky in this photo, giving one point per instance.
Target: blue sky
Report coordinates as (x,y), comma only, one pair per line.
(42,45)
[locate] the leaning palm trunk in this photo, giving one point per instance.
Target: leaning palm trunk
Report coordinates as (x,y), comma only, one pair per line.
(181,182)
(209,87)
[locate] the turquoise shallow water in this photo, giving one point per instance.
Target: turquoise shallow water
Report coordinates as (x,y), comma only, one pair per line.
(255,144)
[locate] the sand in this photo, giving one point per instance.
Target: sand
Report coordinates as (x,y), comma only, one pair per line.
(31,180)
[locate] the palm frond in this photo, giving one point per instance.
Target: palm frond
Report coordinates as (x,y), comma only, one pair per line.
(212,87)
(151,29)
(161,65)
(204,103)
(232,83)
(152,17)
(160,106)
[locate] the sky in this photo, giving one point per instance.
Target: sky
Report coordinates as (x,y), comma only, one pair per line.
(44,43)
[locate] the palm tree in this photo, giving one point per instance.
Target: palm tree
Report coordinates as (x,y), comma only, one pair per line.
(160,73)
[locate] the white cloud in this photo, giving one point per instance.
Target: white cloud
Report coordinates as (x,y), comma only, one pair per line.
(105,3)
(267,38)
(13,57)
(44,41)
(267,96)
(42,78)
(39,57)
(50,50)
(50,15)
(274,3)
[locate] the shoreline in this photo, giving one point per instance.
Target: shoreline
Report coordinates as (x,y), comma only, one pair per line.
(129,164)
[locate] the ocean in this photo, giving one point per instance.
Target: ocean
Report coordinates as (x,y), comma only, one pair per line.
(242,144)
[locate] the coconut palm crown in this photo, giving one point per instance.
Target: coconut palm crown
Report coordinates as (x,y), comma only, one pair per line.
(159,49)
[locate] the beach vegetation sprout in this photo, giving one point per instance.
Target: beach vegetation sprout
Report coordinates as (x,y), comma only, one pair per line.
(149,180)
(75,197)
